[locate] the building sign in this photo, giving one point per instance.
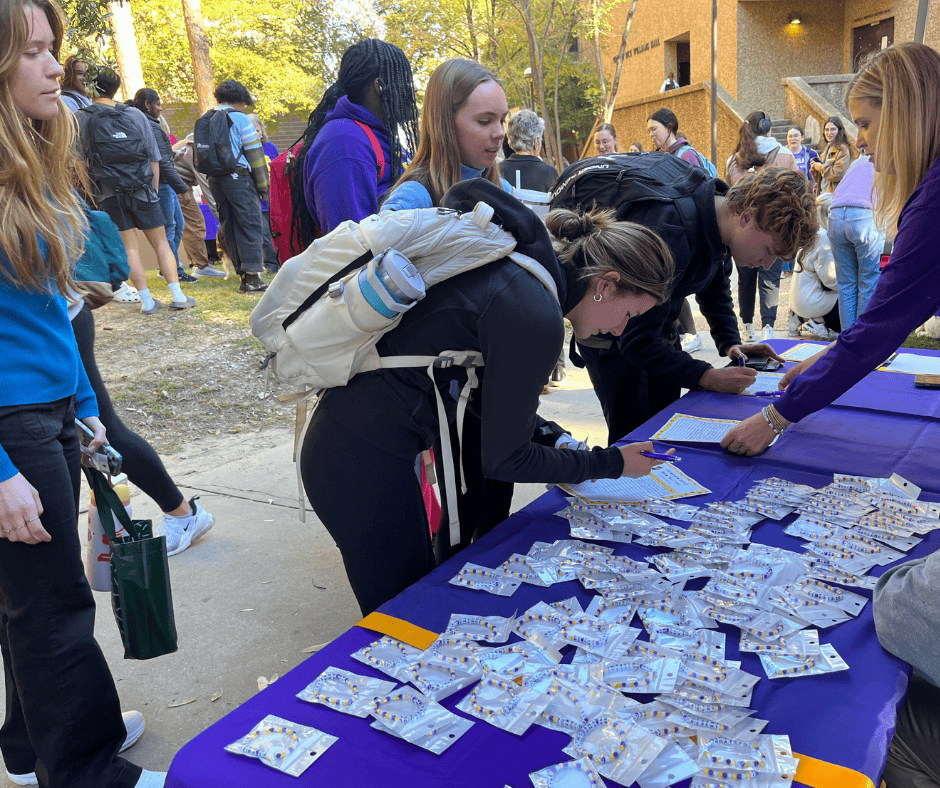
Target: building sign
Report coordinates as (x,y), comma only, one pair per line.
(875,15)
(641,48)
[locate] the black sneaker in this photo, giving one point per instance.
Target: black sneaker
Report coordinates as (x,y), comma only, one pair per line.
(184,277)
(251,283)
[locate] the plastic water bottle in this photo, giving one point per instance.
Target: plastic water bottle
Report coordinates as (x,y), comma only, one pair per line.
(98,557)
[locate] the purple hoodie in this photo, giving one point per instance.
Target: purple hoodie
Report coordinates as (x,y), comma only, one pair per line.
(340,172)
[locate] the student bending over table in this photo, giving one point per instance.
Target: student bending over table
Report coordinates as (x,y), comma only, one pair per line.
(892,99)
(357,460)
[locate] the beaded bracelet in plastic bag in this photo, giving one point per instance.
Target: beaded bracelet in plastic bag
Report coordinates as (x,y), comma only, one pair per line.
(824,569)
(437,681)
(599,637)
(483,578)
(282,745)
(679,566)
(836,597)
(888,535)
(669,536)
(654,718)
(517,660)
(619,750)
(813,612)
(520,567)
(671,766)
(489,629)
(646,668)
(663,508)
(504,704)
(391,656)
(571,774)
(347,692)
(716,674)
(778,666)
(805,642)
(617,611)
(581,529)
(451,649)
(411,716)
(841,556)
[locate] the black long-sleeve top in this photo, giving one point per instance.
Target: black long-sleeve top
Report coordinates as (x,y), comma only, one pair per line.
(168,173)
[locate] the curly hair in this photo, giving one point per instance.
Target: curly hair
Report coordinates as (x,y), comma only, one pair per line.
(778,201)
(231,91)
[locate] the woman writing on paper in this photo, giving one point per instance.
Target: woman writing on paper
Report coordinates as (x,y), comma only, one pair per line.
(357,461)
(63,719)
(892,100)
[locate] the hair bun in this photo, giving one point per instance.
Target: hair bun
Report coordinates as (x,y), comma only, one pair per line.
(569,225)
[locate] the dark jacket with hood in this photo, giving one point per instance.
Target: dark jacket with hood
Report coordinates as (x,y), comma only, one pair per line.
(504,312)
(168,173)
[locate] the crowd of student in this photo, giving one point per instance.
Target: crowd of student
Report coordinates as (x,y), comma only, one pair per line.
(619,274)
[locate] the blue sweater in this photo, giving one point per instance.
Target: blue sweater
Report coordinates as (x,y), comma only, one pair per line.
(412,194)
(340,175)
(38,354)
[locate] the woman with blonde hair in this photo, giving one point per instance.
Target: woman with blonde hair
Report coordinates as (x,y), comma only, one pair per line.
(357,461)
(63,719)
(605,139)
(462,131)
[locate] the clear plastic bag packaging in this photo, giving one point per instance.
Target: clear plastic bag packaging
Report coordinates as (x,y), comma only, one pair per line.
(618,611)
(650,588)
(347,692)
(569,607)
(453,650)
(599,637)
(391,656)
(888,536)
(504,704)
(577,549)
(411,716)
(812,611)
(660,507)
(541,618)
(283,745)
(571,774)
(770,626)
(824,569)
(679,566)
(736,509)
(580,529)
(671,766)
(737,588)
(489,629)
(520,567)
(765,756)
(482,578)
(438,681)
(847,560)
(581,674)
(645,668)
(723,722)
(654,717)
(781,666)
(830,595)
(805,642)
(619,750)
(517,660)
(669,536)
(716,674)
(811,528)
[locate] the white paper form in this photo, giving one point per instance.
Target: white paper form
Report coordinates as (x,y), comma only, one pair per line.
(765,381)
(665,481)
(694,429)
(802,351)
(913,364)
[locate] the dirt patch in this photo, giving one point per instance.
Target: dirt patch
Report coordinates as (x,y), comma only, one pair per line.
(176,377)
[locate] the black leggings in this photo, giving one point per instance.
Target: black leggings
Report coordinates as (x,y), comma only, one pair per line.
(370,502)
(141,463)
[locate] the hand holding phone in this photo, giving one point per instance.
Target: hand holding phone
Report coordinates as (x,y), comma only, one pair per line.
(105,458)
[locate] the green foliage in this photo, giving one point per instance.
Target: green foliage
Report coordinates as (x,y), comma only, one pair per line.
(88,32)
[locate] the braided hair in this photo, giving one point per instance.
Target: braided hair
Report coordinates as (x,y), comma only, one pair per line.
(362,64)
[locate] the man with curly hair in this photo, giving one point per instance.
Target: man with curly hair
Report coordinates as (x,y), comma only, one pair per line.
(764,217)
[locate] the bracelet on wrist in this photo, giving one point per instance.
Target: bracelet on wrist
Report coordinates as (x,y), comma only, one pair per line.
(771,422)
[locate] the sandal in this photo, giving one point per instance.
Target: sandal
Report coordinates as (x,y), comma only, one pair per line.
(126,294)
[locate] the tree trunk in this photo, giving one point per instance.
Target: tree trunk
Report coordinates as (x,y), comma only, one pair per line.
(199,52)
(475,47)
(125,49)
(597,48)
(609,108)
(560,163)
(538,83)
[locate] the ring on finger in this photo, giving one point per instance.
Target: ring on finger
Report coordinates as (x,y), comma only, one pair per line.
(31,519)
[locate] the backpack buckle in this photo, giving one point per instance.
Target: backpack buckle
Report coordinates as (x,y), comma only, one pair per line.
(335,290)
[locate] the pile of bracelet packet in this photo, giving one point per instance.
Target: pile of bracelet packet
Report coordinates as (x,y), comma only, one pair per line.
(655,705)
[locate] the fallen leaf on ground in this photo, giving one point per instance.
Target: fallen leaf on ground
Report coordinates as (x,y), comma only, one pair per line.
(314,649)
(246,610)
(176,703)
(215,697)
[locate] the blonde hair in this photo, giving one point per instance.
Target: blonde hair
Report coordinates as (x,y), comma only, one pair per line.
(595,243)
(436,164)
(264,129)
(903,81)
(38,161)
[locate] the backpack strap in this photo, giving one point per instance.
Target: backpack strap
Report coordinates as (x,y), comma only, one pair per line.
(376,148)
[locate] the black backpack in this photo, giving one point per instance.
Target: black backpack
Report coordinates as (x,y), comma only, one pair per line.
(620,180)
(212,148)
(116,150)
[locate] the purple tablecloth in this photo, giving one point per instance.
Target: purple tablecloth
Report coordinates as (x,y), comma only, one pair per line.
(845,718)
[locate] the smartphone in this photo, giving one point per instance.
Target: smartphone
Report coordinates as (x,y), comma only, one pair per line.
(925,381)
(105,458)
(760,363)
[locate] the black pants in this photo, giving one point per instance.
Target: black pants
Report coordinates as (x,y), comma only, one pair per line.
(268,252)
(142,464)
(629,396)
(240,216)
(63,717)
(686,322)
(749,280)
(914,755)
(370,502)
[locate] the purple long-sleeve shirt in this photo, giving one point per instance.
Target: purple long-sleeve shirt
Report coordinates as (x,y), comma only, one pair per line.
(908,293)
(340,177)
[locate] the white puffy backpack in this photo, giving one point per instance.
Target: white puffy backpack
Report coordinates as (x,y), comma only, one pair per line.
(327,308)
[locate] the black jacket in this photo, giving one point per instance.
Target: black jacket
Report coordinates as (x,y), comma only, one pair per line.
(534,173)
(502,311)
(168,173)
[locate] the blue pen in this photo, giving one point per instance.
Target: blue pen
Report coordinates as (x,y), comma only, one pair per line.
(769,393)
(742,359)
(664,457)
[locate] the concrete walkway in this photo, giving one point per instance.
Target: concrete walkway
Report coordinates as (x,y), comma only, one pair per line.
(260,587)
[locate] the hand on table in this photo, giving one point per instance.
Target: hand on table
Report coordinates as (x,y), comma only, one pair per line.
(750,437)
(20,509)
(635,464)
(799,369)
(759,349)
(731,380)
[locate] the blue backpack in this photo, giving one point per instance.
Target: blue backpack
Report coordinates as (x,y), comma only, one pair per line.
(705,163)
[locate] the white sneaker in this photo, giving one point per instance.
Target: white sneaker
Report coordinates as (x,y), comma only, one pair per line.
(812,327)
(767,332)
(151,779)
(824,333)
(208,272)
(691,343)
(181,532)
(748,335)
(134,723)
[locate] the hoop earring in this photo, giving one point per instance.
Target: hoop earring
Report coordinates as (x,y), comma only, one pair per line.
(598,297)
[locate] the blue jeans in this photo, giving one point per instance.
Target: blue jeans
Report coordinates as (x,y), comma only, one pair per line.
(174,221)
(856,246)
